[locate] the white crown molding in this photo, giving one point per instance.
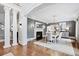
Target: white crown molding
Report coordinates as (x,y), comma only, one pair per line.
(11,6)
(30,9)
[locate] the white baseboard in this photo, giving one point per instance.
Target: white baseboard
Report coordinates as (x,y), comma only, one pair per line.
(14,44)
(6,46)
(29,39)
(22,43)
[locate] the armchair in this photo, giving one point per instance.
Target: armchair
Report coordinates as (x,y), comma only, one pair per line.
(49,37)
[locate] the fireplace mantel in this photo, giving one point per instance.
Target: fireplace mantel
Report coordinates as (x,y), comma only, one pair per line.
(38,30)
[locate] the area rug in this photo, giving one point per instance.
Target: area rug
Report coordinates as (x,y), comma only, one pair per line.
(64,47)
(9,54)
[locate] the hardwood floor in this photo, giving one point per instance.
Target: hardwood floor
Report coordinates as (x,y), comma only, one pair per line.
(32,49)
(76,47)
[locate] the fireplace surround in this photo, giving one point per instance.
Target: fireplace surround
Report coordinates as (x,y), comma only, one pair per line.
(39,35)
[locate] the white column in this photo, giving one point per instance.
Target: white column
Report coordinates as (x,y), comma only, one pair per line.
(23,29)
(77,30)
(14,27)
(7,27)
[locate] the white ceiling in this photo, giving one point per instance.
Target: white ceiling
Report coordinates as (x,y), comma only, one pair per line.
(24,7)
(27,7)
(55,12)
(49,12)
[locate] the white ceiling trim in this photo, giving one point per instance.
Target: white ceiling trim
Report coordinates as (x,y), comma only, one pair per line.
(11,5)
(29,8)
(62,11)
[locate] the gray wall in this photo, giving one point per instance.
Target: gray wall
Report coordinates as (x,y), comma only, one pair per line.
(2,20)
(72,28)
(30,29)
(1,23)
(2,17)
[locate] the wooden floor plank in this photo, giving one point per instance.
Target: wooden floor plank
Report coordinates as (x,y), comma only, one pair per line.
(32,49)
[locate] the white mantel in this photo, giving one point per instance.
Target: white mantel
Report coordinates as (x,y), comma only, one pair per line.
(37,30)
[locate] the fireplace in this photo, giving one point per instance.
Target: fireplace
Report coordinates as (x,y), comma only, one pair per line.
(39,35)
